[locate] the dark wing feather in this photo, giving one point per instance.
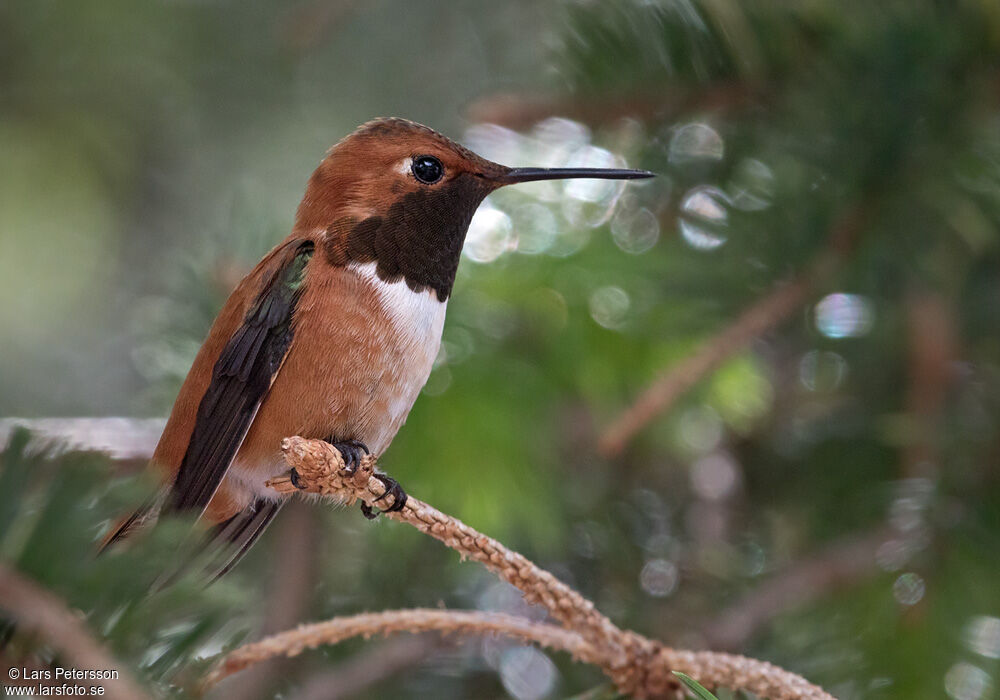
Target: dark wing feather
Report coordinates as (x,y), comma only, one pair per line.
(240,379)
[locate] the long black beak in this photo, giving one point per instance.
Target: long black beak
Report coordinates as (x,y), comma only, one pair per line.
(515,175)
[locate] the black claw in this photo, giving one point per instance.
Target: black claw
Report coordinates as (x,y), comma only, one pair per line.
(352,451)
(387,482)
(392,488)
(399,503)
(294,477)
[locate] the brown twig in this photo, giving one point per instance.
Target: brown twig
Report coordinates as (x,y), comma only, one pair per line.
(638,666)
(712,668)
(35,609)
(763,315)
(320,470)
(294,642)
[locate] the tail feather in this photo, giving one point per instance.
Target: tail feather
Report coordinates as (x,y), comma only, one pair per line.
(242,530)
(144,517)
(231,539)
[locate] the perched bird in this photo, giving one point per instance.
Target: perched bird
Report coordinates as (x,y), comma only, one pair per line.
(333,334)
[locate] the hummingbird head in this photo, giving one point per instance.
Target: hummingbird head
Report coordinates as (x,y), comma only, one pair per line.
(401,195)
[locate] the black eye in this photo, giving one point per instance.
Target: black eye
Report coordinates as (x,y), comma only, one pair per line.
(427,169)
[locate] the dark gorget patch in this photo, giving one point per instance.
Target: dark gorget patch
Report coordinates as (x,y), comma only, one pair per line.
(419,239)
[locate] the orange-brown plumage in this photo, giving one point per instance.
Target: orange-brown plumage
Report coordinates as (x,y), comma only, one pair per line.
(333,334)
(358,177)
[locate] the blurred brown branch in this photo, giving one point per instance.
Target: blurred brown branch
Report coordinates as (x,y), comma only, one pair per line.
(36,610)
(290,592)
(520,111)
(637,665)
(369,667)
(933,348)
(763,315)
(841,564)
(309,24)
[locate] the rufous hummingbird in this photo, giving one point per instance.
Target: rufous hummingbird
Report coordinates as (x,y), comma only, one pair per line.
(333,334)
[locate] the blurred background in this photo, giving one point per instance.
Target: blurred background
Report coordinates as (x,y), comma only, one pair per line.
(750,405)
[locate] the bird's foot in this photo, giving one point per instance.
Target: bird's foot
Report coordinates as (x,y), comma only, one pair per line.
(392,488)
(352,451)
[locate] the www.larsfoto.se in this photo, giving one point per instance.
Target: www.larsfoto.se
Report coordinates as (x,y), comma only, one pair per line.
(63,690)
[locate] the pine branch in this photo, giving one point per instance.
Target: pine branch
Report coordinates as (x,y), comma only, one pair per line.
(36,610)
(638,666)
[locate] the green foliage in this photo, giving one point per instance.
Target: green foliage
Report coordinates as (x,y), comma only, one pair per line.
(54,510)
(696,688)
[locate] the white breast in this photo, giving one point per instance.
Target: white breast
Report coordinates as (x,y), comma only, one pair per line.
(418,319)
(418,316)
